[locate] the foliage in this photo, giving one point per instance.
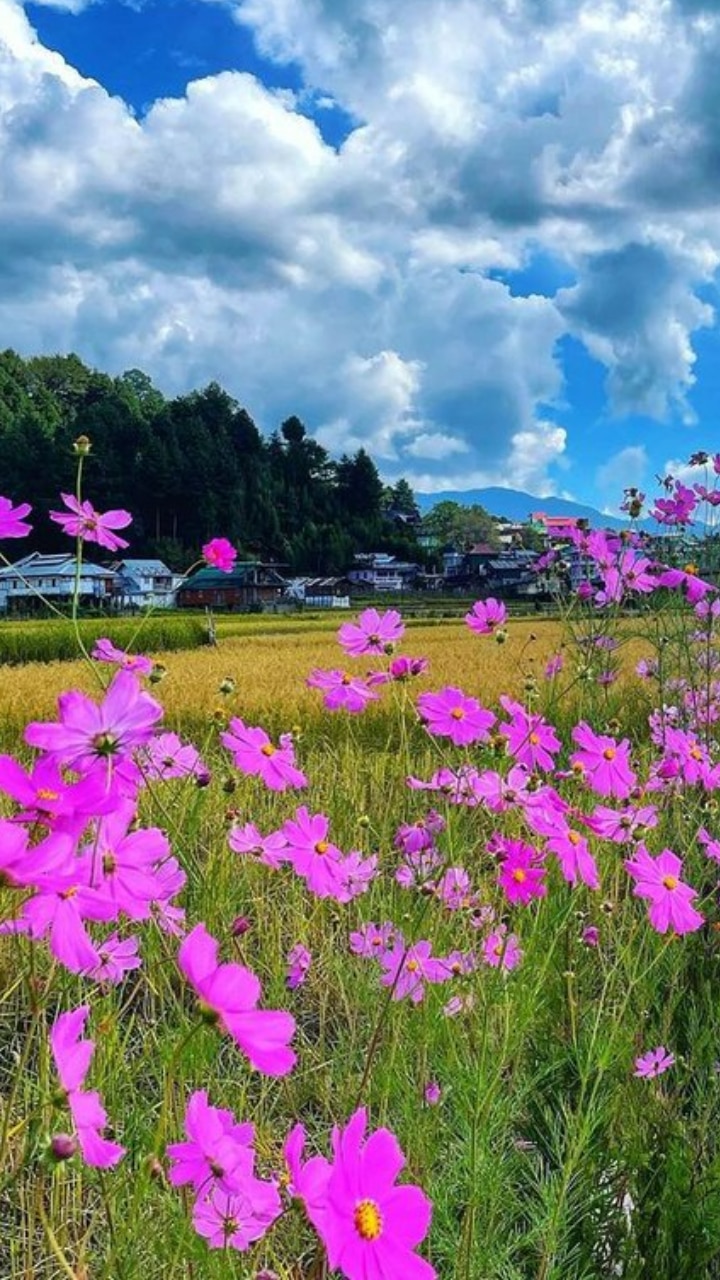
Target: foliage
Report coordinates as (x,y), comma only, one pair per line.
(186,467)
(461,527)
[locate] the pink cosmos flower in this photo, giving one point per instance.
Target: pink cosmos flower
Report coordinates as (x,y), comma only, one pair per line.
(521,873)
(118,956)
(407,969)
(358,872)
(298,961)
(106,651)
(45,797)
(166,757)
(23,866)
(457,785)
(486,616)
(271,850)
(695,588)
(604,761)
(230,993)
(418,869)
(308,1181)
(313,857)
(709,844)
(220,554)
(372,941)
(59,912)
(170,879)
(554,666)
(502,950)
(454,889)
(72,1061)
(402,668)
(653,1063)
(412,837)
(89,733)
(658,880)
(342,692)
(237,1221)
(256,755)
(371,1227)
(122,865)
(12,519)
(531,740)
(622,825)
(373,632)
(452,714)
(218,1155)
(573,853)
(500,794)
(432,1093)
(90,525)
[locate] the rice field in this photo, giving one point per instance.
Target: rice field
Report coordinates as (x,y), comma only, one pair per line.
(510,1086)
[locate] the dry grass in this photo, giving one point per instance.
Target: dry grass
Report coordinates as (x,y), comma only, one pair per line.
(270,670)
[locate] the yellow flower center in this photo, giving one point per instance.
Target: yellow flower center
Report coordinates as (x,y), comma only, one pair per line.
(268,749)
(609,753)
(368,1220)
(519,875)
(535,739)
(45,794)
(457,713)
(696,754)
(346,679)
(322,847)
(691,569)
(412,966)
(573,837)
(670,882)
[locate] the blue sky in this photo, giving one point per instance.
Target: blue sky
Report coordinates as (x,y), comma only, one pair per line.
(486,249)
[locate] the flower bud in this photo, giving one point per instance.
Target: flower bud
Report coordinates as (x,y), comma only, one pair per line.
(82,446)
(240,926)
(227,686)
(63,1147)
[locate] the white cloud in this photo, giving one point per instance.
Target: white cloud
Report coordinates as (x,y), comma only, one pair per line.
(628,468)
(221,237)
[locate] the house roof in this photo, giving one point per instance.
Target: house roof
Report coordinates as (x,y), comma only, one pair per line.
(241,576)
(155,568)
(36,565)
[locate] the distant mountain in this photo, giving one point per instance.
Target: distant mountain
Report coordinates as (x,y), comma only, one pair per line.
(517,505)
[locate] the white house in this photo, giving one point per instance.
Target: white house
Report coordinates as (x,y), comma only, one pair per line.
(379,571)
(143,584)
(53,577)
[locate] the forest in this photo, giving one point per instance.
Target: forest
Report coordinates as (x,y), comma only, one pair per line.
(189,468)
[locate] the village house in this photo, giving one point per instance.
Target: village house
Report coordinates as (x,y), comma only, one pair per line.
(379,571)
(250,585)
(144,584)
(53,577)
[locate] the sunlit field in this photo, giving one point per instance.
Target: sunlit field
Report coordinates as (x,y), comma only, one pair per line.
(451,884)
(271,659)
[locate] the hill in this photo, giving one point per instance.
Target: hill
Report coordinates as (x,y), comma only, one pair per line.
(515,504)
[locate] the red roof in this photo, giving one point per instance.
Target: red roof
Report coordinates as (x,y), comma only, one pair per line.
(555,522)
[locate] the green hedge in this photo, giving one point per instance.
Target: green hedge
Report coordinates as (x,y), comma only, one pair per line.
(53,640)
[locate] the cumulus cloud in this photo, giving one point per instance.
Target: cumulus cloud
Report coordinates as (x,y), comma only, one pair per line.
(220,236)
(628,468)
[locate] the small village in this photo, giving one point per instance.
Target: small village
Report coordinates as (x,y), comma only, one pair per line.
(508,569)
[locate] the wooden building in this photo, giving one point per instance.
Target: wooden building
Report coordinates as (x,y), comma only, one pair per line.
(251,585)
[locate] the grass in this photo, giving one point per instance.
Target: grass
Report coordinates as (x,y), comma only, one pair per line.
(542,1140)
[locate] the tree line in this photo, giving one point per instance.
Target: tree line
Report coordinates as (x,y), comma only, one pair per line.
(191,467)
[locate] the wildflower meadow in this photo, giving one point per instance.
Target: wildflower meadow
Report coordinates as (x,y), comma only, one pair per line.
(422,985)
